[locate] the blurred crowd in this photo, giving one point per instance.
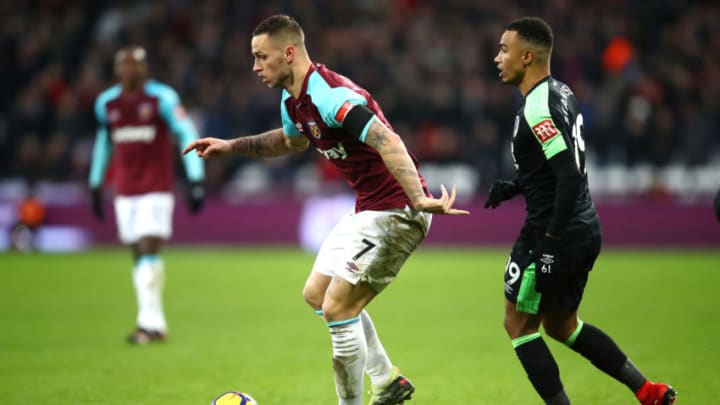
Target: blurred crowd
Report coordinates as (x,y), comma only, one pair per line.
(645,72)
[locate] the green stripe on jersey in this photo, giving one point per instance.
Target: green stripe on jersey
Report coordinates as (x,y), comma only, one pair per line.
(554,146)
(536,111)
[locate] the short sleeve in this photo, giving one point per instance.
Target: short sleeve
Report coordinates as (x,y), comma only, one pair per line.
(333,103)
(288,125)
(546,128)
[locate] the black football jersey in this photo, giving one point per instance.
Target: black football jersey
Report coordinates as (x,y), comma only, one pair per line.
(548,123)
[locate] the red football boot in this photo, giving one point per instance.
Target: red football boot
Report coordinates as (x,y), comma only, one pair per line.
(651,393)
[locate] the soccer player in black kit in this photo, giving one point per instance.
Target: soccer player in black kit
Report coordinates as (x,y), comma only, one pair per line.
(560,240)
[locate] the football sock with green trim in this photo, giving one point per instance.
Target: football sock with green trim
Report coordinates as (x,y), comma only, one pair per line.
(378,365)
(541,369)
(149,280)
(603,353)
(349,356)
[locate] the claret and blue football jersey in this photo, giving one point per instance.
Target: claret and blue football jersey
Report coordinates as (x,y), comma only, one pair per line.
(325,99)
(134,130)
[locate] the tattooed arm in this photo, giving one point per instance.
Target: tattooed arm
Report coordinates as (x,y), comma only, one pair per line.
(395,156)
(268,144)
(392,150)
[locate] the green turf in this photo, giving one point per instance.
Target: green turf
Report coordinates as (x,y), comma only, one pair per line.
(238,322)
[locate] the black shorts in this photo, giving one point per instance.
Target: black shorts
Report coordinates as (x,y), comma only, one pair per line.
(565,287)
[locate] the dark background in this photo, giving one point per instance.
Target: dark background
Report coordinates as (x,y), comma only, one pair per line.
(645,72)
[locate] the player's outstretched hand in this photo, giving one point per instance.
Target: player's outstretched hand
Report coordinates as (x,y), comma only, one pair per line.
(209,147)
(442,205)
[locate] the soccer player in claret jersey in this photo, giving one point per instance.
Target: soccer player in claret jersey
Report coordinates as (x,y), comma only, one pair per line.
(136,121)
(365,251)
(548,267)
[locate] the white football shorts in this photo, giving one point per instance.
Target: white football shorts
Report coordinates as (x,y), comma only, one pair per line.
(144,215)
(371,246)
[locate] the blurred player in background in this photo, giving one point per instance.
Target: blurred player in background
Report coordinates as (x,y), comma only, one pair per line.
(557,247)
(365,251)
(136,121)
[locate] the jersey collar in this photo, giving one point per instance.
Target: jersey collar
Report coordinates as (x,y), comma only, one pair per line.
(303,89)
(541,81)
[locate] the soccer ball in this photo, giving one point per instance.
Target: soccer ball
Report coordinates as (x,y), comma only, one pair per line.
(234,398)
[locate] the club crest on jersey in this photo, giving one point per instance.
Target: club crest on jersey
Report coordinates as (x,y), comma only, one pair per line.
(145,111)
(545,130)
(314,129)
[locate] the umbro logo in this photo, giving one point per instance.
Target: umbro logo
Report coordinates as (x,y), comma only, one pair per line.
(352,267)
(547,259)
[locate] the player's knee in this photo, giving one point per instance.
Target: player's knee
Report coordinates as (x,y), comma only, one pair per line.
(559,331)
(333,310)
(518,325)
(313,296)
(512,327)
(556,333)
(507,325)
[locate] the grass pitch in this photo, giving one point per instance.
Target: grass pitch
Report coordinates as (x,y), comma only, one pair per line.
(238,322)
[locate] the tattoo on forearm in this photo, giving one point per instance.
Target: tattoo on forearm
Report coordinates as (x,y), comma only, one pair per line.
(405,171)
(267,144)
(396,158)
(255,145)
(416,196)
(407,176)
(236,144)
(378,139)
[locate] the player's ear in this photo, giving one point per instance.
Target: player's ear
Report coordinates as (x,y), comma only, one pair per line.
(290,53)
(528,56)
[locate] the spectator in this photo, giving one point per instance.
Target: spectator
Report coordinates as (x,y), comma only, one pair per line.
(636,109)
